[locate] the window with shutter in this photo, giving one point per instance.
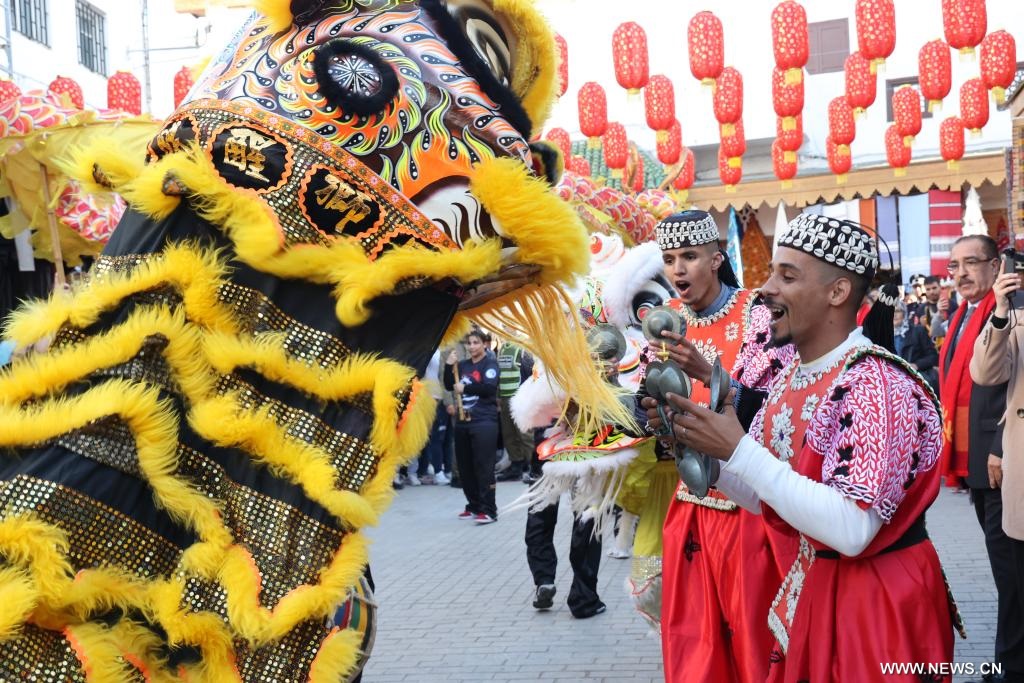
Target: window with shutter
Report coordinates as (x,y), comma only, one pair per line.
(829,45)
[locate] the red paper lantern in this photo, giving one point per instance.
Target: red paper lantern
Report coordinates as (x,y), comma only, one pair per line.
(998,63)
(62,85)
(687,171)
(616,148)
(787,98)
(593,111)
(561,140)
(860,82)
(578,165)
(670,149)
(839,159)
(841,126)
(790,135)
(629,51)
(906,112)
(789,39)
(935,72)
(8,90)
(706,44)
(660,105)
(964,23)
(729,174)
(896,152)
(563,64)
(974,105)
(951,140)
(784,167)
(876,30)
(124,92)
(728,100)
(734,143)
(183,82)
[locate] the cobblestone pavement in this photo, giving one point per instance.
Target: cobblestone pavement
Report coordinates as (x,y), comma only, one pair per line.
(455,598)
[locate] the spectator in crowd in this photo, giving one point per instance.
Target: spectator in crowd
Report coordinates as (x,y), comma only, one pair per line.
(997,361)
(915,346)
(476,426)
(433,454)
(973,447)
(515,365)
(938,307)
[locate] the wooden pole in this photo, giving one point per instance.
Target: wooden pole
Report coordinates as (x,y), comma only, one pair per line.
(51,217)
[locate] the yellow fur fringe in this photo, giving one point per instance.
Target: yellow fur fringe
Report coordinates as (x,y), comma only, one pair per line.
(278,13)
(535,71)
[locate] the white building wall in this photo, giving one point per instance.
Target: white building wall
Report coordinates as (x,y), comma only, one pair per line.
(588,25)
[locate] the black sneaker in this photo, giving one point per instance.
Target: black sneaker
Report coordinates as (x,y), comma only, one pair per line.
(591,612)
(545,596)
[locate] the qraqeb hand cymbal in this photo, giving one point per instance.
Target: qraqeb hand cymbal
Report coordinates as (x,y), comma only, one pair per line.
(662,319)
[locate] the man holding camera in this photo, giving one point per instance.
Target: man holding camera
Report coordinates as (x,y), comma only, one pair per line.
(997,360)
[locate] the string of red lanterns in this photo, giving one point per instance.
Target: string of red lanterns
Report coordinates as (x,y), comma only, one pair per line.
(578,165)
(124,92)
(671,147)
(974,105)
(839,159)
(934,72)
(563,64)
(906,112)
(730,175)
(616,148)
(791,138)
(897,153)
(998,63)
(733,143)
(183,82)
(790,41)
(841,125)
(63,85)
(660,105)
(593,112)
(706,44)
(861,83)
(964,23)
(561,140)
(951,141)
(687,172)
(784,168)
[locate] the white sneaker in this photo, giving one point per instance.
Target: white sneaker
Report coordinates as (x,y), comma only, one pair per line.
(413,479)
(441,480)
(503,463)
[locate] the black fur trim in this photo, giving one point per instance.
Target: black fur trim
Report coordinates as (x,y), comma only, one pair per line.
(449,29)
(547,161)
(349,102)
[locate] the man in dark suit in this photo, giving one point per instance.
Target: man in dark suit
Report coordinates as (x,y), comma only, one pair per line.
(974,444)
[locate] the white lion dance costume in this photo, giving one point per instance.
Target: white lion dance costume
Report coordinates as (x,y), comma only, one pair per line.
(224,404)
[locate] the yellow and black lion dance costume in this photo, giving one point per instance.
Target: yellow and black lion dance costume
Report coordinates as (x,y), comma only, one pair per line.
(184,474)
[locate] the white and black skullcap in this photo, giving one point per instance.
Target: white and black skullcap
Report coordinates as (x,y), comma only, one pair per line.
(687,229)
(835,241)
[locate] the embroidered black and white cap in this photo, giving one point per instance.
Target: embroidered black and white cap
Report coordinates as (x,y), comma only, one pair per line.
(836,241)
(687,229)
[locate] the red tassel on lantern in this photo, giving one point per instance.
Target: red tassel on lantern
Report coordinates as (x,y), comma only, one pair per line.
(733,144)
(183,82)
(934,72)
(998,63)
(729,174)
(578,165)
(8,90)
(629,51)
(785,169)
(62,85)
(860,83)
(790,139)
(906,112)
(687,171)
(670,149)
(841,126)
(563,64)
(593,112)
(706,46)
(660,105)
(951,141)
(561,140)
(839,161)
(616,148)
(896,152)
(789,40)
(965,23)
(787,99)
(124,92)
(974,105)
(728,100)
(876,30)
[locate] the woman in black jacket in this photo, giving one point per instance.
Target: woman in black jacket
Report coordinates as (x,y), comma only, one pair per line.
(915,346)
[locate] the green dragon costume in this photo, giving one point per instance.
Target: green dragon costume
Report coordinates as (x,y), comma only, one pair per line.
(224,404)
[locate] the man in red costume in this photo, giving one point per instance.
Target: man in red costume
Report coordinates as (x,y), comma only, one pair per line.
(718,571)
(843,457)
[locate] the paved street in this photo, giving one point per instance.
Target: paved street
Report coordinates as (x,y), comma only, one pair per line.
(455,598)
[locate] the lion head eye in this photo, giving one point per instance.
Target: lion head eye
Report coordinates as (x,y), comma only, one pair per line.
(485,34)
(354,77)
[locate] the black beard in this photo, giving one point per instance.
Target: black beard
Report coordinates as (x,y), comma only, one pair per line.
(778,342)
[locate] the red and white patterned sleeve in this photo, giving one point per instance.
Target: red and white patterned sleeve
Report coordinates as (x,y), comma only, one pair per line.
(759,362)
(876,432)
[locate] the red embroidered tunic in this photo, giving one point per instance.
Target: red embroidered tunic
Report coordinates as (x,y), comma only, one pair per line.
(868,428)
(718,572)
